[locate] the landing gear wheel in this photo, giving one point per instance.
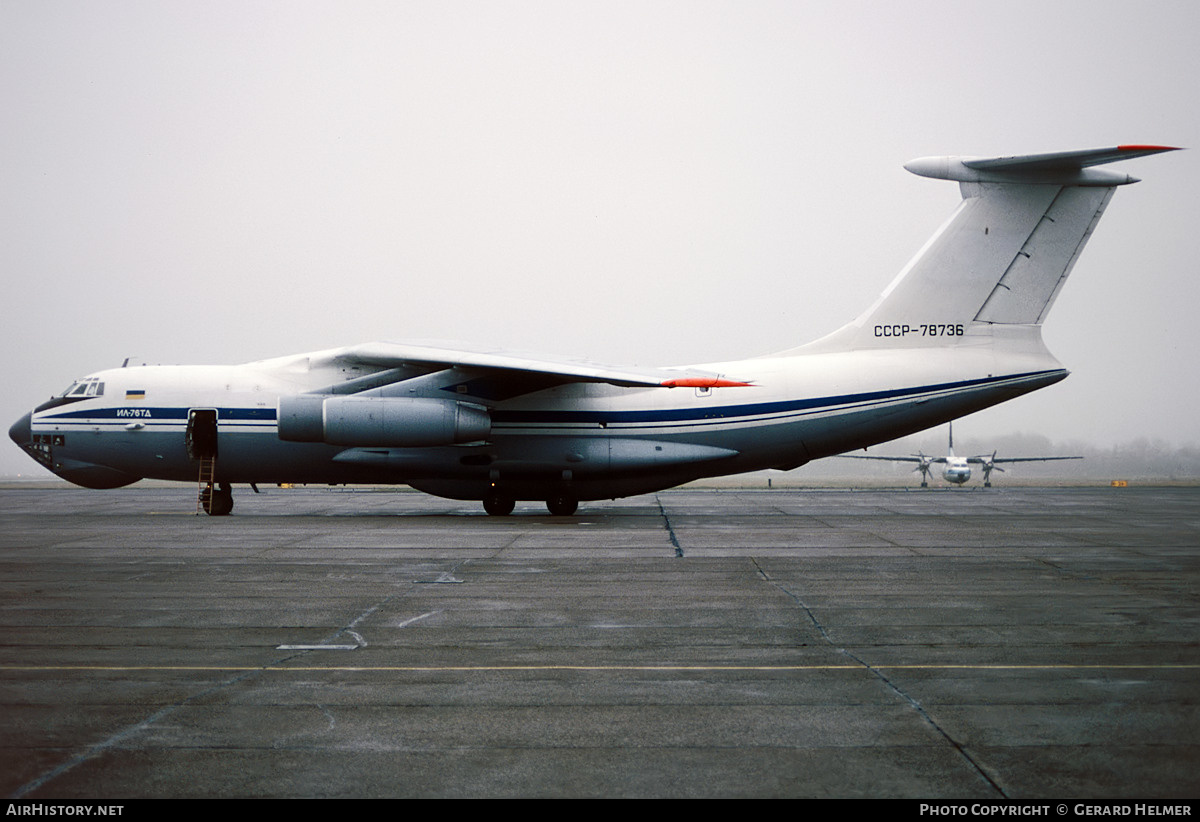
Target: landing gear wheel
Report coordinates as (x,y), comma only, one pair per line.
(499,505)
(218,502)
(562,505)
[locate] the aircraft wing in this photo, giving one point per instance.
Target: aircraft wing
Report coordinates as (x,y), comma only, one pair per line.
(986,459)
(431,358)
(892,459)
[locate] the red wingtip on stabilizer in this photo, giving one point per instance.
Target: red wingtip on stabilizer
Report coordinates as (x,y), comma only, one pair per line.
(1147,148)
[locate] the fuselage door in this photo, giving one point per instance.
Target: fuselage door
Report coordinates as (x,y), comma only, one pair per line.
(201,437)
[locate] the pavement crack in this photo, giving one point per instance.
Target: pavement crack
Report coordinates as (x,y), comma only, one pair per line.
(329,717)
(889,684)
(667,524)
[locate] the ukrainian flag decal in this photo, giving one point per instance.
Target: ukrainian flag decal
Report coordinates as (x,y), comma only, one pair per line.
(135,394)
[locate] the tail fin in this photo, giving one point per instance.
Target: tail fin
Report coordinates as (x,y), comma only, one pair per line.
(1001,258)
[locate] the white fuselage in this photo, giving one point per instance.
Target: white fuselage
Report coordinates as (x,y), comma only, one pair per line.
(957,470)
(601,440)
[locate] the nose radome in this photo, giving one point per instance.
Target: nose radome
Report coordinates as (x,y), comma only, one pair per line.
(21,431)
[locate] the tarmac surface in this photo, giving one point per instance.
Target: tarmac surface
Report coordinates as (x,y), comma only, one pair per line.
(950,643)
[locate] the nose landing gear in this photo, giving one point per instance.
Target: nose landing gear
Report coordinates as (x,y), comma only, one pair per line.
(217,501)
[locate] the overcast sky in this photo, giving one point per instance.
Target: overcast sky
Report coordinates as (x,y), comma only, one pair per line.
(634,182)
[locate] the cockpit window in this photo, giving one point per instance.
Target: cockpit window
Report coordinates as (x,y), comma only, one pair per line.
(88,387)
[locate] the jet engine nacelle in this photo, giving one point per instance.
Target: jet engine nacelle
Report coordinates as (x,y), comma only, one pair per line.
(394,422)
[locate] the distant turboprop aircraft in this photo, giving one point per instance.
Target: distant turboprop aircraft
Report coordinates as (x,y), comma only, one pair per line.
(957,469)
(958,330)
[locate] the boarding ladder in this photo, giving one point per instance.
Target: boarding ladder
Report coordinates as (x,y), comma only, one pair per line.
(208,471)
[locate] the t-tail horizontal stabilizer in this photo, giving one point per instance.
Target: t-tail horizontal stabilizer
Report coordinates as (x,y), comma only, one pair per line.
(1058,168)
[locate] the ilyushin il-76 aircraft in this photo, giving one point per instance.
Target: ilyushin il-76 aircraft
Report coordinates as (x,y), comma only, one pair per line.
(958,330)
(956,469)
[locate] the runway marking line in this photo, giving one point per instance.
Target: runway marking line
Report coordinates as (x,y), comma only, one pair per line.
(317,647)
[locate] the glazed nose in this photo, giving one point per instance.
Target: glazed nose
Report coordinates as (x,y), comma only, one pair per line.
(21,432)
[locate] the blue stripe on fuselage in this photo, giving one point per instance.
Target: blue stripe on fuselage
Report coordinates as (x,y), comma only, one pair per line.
(136,412)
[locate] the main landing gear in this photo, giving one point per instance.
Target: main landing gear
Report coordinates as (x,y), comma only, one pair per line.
(562,505)
(217,501)
(499,504)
